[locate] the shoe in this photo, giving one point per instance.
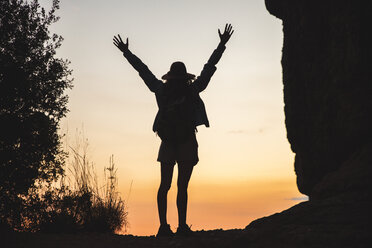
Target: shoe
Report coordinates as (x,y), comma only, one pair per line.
(165,231)
(184,230)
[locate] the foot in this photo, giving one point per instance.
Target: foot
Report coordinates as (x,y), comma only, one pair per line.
(184,230)
(165,231)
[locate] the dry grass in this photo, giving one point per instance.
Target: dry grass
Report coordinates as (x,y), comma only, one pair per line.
(80,203)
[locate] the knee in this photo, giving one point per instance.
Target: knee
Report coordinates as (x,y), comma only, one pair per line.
(182,186)
(164,187)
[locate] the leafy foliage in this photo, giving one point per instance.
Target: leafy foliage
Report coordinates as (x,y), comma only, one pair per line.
(32,102)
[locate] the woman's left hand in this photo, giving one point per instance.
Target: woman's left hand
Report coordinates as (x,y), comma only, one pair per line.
(226,34)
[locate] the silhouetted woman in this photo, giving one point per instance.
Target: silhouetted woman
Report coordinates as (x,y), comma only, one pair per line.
(181,110)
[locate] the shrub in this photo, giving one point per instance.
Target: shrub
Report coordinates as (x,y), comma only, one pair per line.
(80,204)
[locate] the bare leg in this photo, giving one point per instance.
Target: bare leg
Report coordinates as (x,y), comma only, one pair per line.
(184,174)
(165,184)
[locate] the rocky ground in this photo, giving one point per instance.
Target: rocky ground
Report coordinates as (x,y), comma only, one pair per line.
(215,238)
(308,224)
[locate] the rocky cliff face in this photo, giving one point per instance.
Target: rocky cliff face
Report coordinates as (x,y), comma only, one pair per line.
(327,76)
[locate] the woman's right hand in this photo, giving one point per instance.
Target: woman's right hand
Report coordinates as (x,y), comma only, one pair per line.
(118,42)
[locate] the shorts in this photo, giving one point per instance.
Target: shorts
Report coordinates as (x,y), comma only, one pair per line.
(187,152)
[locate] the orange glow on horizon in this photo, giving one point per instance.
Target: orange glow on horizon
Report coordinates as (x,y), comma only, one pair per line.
(225,205)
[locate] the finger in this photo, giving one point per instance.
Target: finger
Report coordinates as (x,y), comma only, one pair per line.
(120,38)
(229,28)
(116,39)
(127,41)
(231,32)
(226,27)
(116,45)
(219,32)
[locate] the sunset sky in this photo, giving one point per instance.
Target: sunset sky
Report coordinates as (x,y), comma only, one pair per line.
(246,165)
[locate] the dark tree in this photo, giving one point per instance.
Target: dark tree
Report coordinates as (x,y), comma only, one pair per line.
(32,101)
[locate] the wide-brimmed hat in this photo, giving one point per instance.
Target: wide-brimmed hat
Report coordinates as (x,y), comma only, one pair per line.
(178,70)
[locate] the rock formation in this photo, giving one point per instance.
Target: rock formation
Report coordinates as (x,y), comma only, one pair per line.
(327,76)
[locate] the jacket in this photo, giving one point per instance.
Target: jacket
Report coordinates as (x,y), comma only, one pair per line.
(157,86)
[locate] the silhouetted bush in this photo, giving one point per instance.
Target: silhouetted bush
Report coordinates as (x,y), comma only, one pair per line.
(80,205)
(32,102)
(108,210)
(71,209)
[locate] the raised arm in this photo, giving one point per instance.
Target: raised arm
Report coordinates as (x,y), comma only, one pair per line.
(210,67)
(148,77)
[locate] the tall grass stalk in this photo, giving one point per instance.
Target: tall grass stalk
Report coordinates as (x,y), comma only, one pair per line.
(81,203)
(106,211)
